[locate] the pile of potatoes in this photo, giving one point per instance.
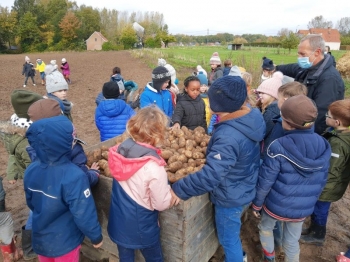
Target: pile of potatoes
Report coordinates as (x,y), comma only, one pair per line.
(184,151)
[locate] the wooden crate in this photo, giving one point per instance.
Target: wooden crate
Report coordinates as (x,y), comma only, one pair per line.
(187,231)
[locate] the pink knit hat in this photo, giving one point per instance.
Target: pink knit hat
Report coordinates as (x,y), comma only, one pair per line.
(215,59)
(271,85)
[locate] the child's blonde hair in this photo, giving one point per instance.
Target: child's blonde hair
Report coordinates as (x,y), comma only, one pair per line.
(292,89)
(267,103)
(341,111)
(148,126)
(248,79)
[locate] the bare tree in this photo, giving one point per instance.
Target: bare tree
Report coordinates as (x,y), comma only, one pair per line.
(319,22)
(343,25)
(283,33)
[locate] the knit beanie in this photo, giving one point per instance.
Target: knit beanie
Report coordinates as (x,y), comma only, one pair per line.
(299,111)
(271,85)
(64,60)
(202,78)
(215,59)
(227,94)
(234,71)
(159,76)
(54,79)
(21,100)
(267,64)
(26,59)
(110,90)
(161,62)
(44,108)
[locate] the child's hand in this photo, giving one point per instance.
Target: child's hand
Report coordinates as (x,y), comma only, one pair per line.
(176,126)
(95,166)
(256,214)
(175,200)
(12,181)
(98,245)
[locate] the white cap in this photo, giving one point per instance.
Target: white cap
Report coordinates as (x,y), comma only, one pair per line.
(64,60)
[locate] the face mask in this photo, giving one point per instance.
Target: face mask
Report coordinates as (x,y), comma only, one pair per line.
(263,78)
(304,62)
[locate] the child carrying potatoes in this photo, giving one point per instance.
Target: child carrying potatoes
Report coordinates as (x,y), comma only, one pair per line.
(140,187)
(232,162)
(190,107)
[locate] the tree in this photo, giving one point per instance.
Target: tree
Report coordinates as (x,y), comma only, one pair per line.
(69,26)
(283,33)
(128,37)
(8,21)
(28,31)
(343,25)
(290,41)
(22,6)
(319,22)
(90,21)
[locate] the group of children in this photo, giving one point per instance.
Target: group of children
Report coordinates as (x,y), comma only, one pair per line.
(267,155)
(29,70)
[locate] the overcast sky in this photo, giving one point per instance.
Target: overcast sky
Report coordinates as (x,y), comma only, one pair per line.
(236,17)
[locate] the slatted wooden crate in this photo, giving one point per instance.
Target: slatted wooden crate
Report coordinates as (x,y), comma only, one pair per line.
(187,230)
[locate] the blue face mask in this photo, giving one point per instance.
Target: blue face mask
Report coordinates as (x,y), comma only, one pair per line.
(304,62)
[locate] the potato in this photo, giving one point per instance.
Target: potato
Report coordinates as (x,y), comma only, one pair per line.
(90,159)
(199,129)
(171,138)
(182,142)
(104,148)
(189,144)
(172,159)
(182,158)
(190,160)
(175,146)
(97,154)
(181,151)
(178,133)
(167,143)
(104,154)
(107,172)
(192,164)
(173,167)
(188,153)
(200,162)
(166,154)
(103,164)
(198,155)
(184,129)
(171,177)
(204,150)
(198,138)
(203,144)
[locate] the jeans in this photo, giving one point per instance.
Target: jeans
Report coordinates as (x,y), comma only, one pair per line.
(290,236)
(278,234)
(320,214)
(29,223)
(228,225)
(151,254)
(26,79)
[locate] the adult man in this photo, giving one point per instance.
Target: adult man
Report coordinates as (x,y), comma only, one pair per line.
(328,51)
(316,71)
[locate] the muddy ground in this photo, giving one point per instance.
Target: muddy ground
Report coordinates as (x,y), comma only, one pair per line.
(89,70)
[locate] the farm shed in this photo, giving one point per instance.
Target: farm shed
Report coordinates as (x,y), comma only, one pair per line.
(95,41)
(330,36)
(234,46)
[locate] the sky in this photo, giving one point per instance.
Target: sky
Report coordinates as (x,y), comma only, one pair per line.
(223,16)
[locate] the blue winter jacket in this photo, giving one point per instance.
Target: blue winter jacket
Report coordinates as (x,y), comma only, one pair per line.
(111,117)
(78,158)
(160,98)
(293,175)
(57,191)
(232,163)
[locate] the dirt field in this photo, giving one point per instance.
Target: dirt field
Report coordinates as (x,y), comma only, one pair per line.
(89,70)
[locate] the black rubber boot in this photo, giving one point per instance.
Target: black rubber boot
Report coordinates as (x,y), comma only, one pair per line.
(307,229)
(28,253)
(316,236)
(2,205)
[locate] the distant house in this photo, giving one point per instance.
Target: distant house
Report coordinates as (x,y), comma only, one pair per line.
(234,46)
(95,41)
(330,36)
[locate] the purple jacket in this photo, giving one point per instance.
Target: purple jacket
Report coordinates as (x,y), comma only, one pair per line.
(65,68)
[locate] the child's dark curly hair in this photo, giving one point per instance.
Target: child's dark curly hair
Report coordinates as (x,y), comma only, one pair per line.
(190,79)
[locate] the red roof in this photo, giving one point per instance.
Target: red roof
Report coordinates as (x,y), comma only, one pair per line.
(328,34)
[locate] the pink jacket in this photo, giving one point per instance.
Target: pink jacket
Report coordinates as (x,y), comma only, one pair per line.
(144,179)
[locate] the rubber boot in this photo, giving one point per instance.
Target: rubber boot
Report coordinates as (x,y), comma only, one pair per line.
(28,253)
(2,205)
(307,229)
(10,253)
(316,236)
(268,257)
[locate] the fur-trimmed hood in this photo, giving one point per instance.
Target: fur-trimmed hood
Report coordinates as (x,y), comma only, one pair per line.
(7,128)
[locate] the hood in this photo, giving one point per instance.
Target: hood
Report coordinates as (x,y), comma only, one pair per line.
(252,125)
(306,159)
(112,107)
(151,88)
(126,159)
(11,135)
(52,139)
(7,128)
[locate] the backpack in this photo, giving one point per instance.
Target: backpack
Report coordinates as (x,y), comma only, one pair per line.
(119,80)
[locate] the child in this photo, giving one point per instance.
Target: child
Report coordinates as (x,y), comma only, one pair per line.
(157,92)
(54,63)
(65,70)
(268,97)
(56,87)
(8,248)
(58,193)
(204,95)
(117,77)
(173,89)
(216,70)
(40,66)
(227,67)
(112,114)
(291,177)
(232,162)
(46,108)
(268,68)
(28,71)
(190,107)
(140,187)
(200,69)
(338,136)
